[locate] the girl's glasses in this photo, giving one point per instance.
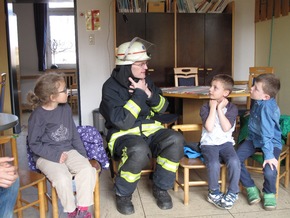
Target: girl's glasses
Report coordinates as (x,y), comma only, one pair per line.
(63,91)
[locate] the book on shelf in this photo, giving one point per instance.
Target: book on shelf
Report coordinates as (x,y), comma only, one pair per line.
(222,6)
(191,7)
(180,6)
(198,6)
(202,8)
(216,4)
(206,7)
(132,6)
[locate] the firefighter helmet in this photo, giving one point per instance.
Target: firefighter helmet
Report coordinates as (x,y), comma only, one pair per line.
(130,52)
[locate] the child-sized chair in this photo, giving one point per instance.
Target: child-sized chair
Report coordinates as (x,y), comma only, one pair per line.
(188,164)
(93,143)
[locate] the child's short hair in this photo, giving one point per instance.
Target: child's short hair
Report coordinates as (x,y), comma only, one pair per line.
(226,80)
(46,85)
(271,84)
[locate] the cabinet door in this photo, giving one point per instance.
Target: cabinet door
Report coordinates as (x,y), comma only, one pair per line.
(218,45)
(128,26)
(190,41)
(205,41)
(160,32)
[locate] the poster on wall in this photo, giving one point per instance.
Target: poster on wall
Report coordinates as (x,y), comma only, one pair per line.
(93,20)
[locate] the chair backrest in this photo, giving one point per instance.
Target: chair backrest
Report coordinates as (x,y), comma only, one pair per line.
(93,143)
(186,76)
(189,131)
(253,73)
(2,90)
(256,71)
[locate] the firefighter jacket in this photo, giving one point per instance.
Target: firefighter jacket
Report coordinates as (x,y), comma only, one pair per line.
(129,113)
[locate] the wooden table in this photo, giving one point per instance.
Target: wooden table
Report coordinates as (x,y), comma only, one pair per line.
(193,97)
(7,121)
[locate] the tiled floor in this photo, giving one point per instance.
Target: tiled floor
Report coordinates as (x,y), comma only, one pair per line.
(145,205)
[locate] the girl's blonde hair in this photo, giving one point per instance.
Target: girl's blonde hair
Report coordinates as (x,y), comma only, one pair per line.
(45,86)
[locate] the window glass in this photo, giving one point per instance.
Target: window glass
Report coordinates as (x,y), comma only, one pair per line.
(61,5)
(61,36)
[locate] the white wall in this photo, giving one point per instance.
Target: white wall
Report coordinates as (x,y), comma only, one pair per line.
(278,56)
(95,61)
(244,38)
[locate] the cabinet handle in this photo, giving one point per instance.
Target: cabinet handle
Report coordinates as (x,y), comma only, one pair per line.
(200,69)
(208,69)
(150,70)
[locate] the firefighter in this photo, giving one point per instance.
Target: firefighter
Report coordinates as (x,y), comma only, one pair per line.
(129,101)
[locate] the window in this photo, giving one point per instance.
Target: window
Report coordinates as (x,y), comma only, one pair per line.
(61,47)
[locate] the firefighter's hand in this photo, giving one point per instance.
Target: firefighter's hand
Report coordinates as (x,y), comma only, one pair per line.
(141,84)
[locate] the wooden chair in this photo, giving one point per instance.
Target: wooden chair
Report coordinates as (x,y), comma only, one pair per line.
(284,156)
(147,171)
(73,97)
(2,95)
(53,198)
(186,76)
(2,90)
(253,73)
(28,179)
(188,164)
(167,119)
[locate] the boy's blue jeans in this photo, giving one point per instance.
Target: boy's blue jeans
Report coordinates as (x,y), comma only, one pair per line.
(213,156)
(247,149)
(7,199)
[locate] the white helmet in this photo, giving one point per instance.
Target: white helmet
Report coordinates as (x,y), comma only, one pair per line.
(130,52)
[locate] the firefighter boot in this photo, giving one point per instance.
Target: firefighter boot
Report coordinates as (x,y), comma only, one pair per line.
(164,201)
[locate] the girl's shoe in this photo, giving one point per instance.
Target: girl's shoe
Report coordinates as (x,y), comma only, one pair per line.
(270,201)
(72,214)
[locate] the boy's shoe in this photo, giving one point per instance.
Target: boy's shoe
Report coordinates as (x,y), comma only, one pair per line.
(228,200)
(124,205)
(253,194)
(270,201)
(164,200)
(215,199)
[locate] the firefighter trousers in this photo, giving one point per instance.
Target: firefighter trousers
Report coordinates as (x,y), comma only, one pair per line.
(135,152)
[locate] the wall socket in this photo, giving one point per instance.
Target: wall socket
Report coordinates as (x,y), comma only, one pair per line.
(91,39)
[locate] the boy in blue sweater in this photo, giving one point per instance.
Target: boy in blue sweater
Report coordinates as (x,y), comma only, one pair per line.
(264,134)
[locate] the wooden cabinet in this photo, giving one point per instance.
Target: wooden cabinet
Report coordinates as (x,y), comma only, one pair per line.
(157,28)
(205,41)
(181,40)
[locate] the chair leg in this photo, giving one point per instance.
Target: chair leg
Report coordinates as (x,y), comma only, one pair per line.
(45,197)
(54,202)
(278,177)
(19,204)
(97,198)
(175,183)
(287,162)
(186,185)
(41,197)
